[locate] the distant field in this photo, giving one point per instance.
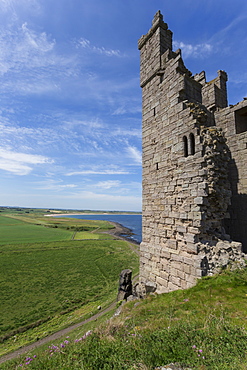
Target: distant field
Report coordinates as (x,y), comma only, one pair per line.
(87,235)
(43,280)
(16,231)
(54,271)
(34,228)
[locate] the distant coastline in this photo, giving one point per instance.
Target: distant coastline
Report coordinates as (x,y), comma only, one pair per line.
(68,214)
(120,231)
(90,214)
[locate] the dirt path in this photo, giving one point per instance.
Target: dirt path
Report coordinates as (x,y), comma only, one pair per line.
(9,356)
(54,336)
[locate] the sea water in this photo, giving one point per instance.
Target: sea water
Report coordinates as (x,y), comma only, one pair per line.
(132,222)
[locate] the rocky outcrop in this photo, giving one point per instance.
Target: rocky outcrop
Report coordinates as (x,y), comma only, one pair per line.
(224,254)
(125,285)
(128,292)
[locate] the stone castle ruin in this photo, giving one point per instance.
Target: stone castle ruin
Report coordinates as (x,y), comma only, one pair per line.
(194,169)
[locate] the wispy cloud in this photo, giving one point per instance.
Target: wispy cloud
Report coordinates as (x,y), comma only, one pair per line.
(54,184)
(20,163)
(14,5)
(193,51)
(127,108)
(99,172)
(222,34)
(131,132)
(108,184)
(31,63)
(24,48)
(86,44)
(89,124)
(135,154)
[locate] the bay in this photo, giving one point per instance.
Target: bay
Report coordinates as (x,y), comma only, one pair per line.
(132,222)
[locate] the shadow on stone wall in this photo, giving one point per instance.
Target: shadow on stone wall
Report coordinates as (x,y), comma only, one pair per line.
(236,225)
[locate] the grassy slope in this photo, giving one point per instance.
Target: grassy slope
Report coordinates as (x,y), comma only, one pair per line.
(46,279)
(203,327)
(18,231)
(59,281)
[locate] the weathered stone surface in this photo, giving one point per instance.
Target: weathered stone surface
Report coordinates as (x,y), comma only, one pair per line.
(194,161)
(125,285)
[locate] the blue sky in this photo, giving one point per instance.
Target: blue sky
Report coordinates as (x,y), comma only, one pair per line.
(70,111)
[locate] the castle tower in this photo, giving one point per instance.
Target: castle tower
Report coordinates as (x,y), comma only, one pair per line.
(186,191)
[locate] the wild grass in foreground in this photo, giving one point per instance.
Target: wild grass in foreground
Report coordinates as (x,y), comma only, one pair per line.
(202,328)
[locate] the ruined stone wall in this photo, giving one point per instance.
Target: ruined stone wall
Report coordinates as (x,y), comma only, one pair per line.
(186,191)
(233,121)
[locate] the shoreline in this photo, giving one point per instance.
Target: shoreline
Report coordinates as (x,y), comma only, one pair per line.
(88,214)
(120,231)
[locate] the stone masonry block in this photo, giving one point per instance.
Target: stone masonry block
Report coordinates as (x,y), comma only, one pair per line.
(191,248)
(176,281)
(177,258)
(162,282)
(164,275)
(199,200)
(190,238)
(181,274)
(172,244)
(172,287)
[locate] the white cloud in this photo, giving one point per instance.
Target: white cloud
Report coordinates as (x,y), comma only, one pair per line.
(128,108)
(58,185)
(91,124)
(24,47)
(14,6)
(99,172)
(36,41)
(108,184)
(30,62)
(20,163)
(228,31)
(86,44)
(193,51)
(134,132)
(119,111)
(135,154)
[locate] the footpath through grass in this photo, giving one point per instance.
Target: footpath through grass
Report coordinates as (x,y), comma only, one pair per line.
(202,328)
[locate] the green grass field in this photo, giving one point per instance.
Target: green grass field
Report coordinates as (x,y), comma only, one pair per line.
(42,280)
(49,280)
(17,231)
(34,227)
